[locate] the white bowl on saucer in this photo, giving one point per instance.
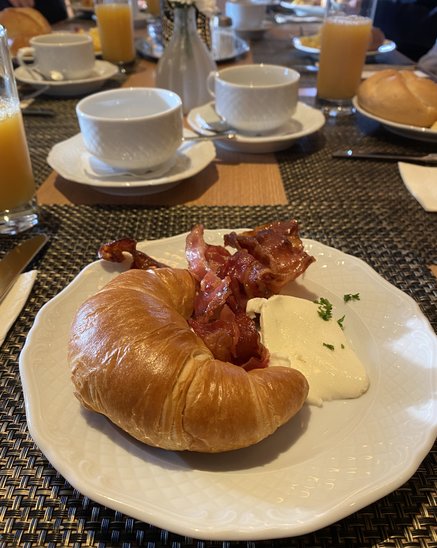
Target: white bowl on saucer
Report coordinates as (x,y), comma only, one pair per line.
(131,128)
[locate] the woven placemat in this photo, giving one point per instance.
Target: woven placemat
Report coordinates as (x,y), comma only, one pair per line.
(39,508)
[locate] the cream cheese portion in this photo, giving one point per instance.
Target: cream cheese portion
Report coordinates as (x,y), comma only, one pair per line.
(294,333)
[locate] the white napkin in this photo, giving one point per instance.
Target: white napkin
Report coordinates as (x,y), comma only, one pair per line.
(11,305)
(421,181)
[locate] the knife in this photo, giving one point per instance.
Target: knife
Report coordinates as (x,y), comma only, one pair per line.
(16,260)
(392,156)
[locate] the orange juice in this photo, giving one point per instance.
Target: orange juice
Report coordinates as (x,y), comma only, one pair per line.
(17,185)
(116,32)
(343,47)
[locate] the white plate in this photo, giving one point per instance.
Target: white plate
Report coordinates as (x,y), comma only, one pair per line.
(192,157)
(103,70)
(386,47)
(304,9)
(150,48)
(324,465)
(404,130)
(306,120)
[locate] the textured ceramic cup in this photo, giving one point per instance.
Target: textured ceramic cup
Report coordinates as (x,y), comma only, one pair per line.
(69,53)
(132,128)
(255,98)
(246,14)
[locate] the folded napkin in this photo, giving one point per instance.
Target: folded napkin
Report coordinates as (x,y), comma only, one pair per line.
(11,305)
(421,181)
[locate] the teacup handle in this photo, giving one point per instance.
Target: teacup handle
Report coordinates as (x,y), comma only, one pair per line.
(210,82)
(25,52)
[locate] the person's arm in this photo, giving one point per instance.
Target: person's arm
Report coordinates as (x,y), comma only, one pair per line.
(22,3)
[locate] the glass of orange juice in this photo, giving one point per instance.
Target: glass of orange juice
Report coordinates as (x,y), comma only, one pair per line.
(345,37)
(17,185)
(116,29)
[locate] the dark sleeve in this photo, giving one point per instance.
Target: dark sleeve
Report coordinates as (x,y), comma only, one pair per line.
(53,10)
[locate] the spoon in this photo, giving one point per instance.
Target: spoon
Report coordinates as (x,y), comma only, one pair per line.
(54,75)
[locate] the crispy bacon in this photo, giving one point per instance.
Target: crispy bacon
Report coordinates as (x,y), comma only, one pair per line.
(266,258)
(114,251)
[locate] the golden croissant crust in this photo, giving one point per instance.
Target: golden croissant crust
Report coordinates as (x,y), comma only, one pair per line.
(135,359)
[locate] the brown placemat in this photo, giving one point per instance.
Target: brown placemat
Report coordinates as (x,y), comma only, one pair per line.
(39,508)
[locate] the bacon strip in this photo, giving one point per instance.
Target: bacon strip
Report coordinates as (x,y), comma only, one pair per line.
(266,258)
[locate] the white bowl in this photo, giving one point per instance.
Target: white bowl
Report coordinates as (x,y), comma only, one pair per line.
(132,128)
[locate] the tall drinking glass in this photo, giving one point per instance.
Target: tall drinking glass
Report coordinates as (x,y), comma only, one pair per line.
(345,37)
(17,185)
(116,29)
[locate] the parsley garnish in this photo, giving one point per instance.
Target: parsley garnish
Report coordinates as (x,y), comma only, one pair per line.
(342,345)
(351,297)
(330,346)
(325,309)
(340,322)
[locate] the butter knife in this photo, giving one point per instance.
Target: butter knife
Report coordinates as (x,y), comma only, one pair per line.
(392,156)
(16,260)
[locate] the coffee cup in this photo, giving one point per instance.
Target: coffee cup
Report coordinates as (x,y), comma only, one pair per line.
(255,98)
(132,128)
(246,14)
(69,54)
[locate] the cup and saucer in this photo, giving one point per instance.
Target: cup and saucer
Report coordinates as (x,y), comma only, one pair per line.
(260,104)
(131,143)
(64,64)
(102,71)
(73,162)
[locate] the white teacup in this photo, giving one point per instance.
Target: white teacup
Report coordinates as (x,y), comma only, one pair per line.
(255,98)
(246,14)
(69,53)
(132,128)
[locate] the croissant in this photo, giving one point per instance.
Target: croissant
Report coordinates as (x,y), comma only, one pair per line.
(135,359)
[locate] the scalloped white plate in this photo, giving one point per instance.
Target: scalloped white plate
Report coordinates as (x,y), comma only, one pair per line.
(321,467)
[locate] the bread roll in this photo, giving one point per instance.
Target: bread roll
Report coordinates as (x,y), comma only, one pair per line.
(134,359)
(22,24)
(400,96)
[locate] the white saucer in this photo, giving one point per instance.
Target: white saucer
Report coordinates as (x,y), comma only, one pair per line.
(306,120)
(410,132)
(191,158)
(103,70)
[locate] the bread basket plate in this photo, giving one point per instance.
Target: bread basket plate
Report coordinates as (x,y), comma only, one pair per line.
(299,43)
(304,9)
(324,465)
(404,130)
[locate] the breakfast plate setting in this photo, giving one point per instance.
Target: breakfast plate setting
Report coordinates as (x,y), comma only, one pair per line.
(103,71)
(73,162)
(300,44)
(152,48)
(324,465)
(305,121)
(404,130)
(304,9)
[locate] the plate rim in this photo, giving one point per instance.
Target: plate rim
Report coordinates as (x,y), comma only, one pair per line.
(403,129)
(242,533)
(386,47)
